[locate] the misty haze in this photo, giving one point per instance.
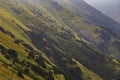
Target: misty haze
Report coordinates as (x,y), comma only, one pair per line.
(109,7)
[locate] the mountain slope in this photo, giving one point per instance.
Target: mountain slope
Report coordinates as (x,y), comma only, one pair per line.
(36,45)
(22,57)
(91,15)
(100,37)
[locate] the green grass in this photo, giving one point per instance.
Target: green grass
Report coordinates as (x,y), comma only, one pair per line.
(52,36)
(87,73)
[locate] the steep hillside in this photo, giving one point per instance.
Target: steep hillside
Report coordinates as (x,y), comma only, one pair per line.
(17,54)
(36,44)
(104,39)
(91,15)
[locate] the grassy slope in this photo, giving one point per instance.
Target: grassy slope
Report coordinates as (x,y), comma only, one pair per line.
(56,36)
(92,30)
(74,50)
(96,35)
(12,25)
(87,73)
(8,23)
